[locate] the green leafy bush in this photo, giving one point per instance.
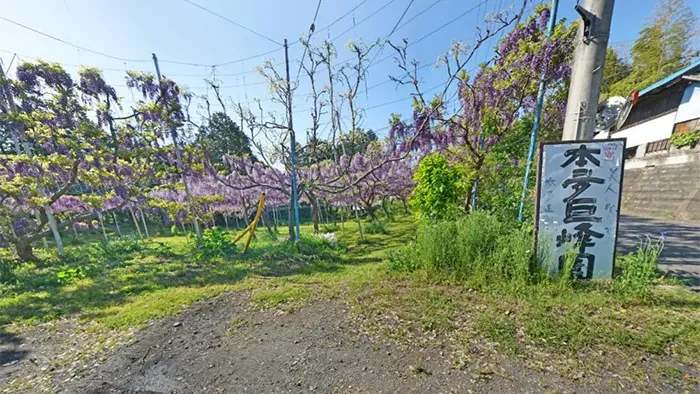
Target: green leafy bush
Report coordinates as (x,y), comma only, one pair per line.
(214,243)
(639,269)
(687,138)
(439,187)
(376,227)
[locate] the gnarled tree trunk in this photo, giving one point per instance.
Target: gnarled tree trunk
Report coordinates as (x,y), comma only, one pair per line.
(25,251)
(370,211)
(386,210)
(314,211)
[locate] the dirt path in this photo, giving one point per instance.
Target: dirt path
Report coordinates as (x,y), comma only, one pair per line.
(219,346)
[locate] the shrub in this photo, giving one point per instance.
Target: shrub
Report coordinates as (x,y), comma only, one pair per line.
(687,138)
(376,227)
(439,187)
(639,269)
(214,243)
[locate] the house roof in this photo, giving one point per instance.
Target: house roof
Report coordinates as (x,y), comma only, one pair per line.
(669,80)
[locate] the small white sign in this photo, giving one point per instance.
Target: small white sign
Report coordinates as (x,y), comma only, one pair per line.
(578,205)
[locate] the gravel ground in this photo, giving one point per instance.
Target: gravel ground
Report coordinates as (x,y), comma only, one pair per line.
(219,346)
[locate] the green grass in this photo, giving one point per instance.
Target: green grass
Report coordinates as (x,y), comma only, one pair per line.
(129,284)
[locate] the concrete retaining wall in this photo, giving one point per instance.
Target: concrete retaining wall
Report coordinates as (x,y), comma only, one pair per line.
(665,185)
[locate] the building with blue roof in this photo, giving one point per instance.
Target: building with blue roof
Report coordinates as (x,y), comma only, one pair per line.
(671,105)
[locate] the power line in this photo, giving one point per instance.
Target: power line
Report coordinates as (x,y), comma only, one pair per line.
(435,30)
(134,60)
(311,31)
(460,16)
(342,16)
(419,14)
(386,39)
(336,21)
(232,22)
(363,20)
(274,50)
(220,64)
(410,3)
(71,44)
(25,56)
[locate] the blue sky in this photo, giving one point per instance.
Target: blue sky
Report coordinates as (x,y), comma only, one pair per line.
(180,32)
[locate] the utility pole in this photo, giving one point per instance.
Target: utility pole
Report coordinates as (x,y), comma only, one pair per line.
(16,139)
(240,112)
(178,163)
(293,142)
(538,114)
(587,74)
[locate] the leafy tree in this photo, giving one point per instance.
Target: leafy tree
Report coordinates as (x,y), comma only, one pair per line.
(222,136)
(354,142)
(502,180)
(616,69)
(357,141)
(439,188)
(664,46)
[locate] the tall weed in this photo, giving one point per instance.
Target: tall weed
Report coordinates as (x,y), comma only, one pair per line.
(639,269)
(478,248)
(7,272)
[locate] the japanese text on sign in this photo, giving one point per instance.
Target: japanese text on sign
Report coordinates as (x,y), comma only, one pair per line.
(578,205)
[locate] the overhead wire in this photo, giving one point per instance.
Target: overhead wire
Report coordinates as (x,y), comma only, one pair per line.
(393,30)
(363,20)
(336,20)
(132,60)
(232,22)
(185,63)
(419,13)
(427,35)
(397,27)
(71,44)
(311,32)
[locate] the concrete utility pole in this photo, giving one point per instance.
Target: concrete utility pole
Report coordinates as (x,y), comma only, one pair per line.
(293,142)
(178,159)
(587,74)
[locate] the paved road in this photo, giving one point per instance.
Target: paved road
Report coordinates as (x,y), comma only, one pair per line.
(681,254)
